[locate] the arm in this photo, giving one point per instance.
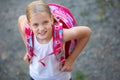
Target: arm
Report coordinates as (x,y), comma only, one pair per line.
(21,26)
(82,34)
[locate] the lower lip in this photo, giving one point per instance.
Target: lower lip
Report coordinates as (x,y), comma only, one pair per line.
(42,34)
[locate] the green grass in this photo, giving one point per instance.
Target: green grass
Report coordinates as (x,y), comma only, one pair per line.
(79,76)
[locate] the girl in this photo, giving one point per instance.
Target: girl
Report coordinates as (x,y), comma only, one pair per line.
(41,20)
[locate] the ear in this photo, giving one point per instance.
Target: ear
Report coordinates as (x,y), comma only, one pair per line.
(56,19)
(52,19)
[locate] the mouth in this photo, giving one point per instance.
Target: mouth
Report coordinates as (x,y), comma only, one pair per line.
(42,33)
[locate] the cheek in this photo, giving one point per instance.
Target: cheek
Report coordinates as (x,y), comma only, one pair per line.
(34,30)
(49,28)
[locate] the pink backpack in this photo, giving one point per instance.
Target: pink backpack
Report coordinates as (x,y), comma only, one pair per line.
(66,20)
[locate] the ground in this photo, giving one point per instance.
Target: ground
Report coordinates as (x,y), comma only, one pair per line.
(100,60)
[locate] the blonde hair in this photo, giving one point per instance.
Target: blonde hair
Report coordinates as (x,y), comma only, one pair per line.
(35,7)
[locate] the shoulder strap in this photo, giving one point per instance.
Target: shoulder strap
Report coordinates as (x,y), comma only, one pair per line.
(29,41)
(68,21)
(58,42)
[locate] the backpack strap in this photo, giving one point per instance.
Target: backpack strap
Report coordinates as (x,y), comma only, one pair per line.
(68,21)
(29,41)
(58,42)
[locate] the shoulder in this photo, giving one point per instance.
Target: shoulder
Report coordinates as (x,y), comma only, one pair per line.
(22,20)
(76,32)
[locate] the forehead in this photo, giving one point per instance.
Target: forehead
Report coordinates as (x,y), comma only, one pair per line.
(40,17)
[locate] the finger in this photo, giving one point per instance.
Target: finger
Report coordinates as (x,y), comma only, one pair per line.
(63,68)
(68,68)
(25,59)
(29,61)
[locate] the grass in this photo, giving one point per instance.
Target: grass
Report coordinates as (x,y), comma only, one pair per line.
(79,76)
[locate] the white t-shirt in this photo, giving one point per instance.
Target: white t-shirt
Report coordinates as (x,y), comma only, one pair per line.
(51,70)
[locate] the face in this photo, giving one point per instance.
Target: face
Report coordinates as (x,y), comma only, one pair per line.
(41,25)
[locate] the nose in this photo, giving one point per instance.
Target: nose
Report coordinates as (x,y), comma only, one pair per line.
(40,28)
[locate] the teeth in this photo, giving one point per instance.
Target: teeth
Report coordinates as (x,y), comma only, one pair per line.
(42,33)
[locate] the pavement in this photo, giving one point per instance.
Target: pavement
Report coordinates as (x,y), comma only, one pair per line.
(100,59)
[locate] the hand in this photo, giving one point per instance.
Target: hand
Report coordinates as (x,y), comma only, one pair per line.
(68,66)
(27,59)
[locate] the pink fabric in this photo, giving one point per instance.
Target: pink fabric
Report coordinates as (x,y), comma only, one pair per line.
(66,20)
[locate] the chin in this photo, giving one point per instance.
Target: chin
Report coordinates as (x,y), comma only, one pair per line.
(42,37)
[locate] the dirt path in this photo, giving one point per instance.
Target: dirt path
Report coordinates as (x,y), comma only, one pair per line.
(100,60)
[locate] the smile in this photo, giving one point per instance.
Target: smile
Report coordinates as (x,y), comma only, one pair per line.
(42,33)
